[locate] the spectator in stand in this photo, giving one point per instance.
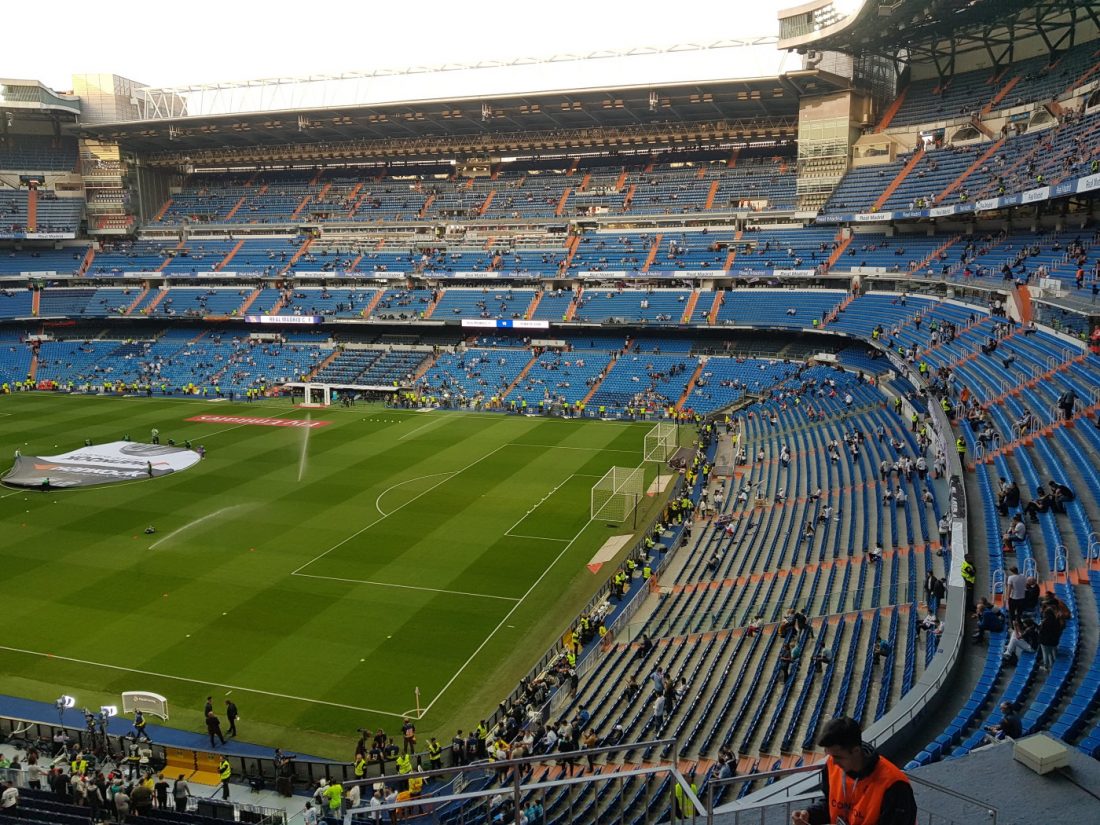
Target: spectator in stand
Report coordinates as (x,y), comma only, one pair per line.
(1010,726)
(1050,634)
(1042,503)
(1066,402)
(990,620)
(1008,498)
(1060,494)
(1017,532)
(1025,637)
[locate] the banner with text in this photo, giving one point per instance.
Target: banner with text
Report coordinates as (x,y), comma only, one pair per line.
(100,464)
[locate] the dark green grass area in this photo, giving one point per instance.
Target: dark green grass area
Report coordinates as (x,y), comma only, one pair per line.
(318,576)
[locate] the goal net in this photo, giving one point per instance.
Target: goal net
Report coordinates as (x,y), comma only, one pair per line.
(317,395)
(146,702)
(660,443)
(615,496)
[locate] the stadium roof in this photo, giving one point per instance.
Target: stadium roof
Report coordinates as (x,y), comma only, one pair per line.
(761,100)
(31,99)
(929,28)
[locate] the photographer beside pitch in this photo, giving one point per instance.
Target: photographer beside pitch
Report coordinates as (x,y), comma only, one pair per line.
(860,786)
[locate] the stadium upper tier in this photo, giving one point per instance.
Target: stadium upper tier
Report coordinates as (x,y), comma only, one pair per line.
(758,179)
(1029,81)
(37,153)
(525,260)
(984,169)
(54,214)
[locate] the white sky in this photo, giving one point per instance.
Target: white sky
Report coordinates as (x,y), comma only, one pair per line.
(200,41)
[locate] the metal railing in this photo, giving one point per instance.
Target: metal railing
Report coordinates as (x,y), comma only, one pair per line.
(204,806)
(796,795)
(517,784)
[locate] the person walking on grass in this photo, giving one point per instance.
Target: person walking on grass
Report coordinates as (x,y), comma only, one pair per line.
(231,716)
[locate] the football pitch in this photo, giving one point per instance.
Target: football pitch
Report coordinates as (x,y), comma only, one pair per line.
(320,576)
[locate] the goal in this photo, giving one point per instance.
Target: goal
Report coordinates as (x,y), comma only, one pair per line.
(615,496)
(317,395)
(146,702)
(660,443)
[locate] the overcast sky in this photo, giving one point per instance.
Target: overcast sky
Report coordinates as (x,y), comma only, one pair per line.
(202,41)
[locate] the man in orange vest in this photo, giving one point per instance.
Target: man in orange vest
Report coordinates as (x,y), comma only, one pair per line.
(860,786)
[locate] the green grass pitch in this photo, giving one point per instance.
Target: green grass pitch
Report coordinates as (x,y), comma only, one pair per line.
(316,576)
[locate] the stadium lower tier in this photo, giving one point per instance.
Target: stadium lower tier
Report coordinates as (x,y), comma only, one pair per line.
(832,505)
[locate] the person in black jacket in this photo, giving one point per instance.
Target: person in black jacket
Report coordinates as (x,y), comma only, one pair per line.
(1050,633)
(1061,494)
(1010,726)
(1066,402)
(1042,503)
(214,728)
(1009,498)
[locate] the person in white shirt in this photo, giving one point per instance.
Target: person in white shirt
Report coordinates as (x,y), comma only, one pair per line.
(352,796)
(10,797)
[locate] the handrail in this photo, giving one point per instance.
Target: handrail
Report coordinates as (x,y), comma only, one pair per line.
(519,787)
(1061,561)
(962,797)
(997,582)
(803,792)
(714,784)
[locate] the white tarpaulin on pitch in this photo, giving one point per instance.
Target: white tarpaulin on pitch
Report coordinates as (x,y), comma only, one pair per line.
(100,464)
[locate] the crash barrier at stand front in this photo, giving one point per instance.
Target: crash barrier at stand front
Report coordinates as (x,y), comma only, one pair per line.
(203,806)
(652,785)
(23,732)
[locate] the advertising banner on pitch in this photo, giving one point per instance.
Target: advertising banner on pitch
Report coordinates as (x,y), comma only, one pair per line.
(99,464)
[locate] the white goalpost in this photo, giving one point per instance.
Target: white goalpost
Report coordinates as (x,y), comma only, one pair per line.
(660,443)
(317,395)
(616,495)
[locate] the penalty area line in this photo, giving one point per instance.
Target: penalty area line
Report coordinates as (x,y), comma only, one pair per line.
(539,503)
(408,587)
(195,681)
(569,447)
(507,616)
